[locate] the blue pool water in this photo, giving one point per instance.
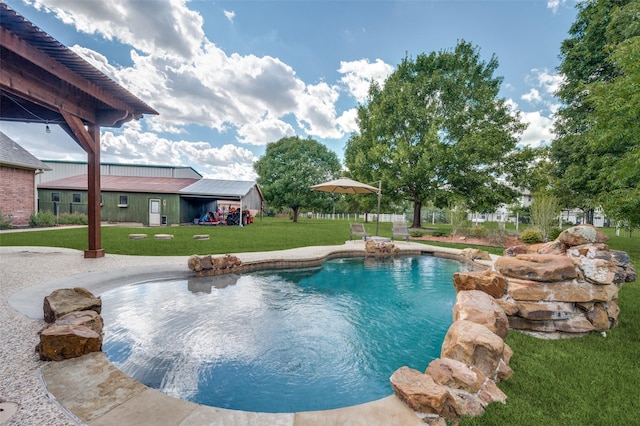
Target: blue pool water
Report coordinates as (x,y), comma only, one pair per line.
(283,341)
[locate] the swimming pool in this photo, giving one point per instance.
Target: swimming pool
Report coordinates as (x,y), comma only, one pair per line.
(283,341)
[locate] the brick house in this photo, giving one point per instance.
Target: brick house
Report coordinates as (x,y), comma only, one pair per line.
(18,169)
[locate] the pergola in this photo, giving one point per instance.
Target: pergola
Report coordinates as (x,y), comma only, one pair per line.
(42,81)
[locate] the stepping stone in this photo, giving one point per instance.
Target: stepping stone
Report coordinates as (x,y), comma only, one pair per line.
(164,237)
(201,237)
(137,236)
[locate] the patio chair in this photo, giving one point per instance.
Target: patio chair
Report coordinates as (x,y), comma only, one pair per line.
(399,229)
(357,229)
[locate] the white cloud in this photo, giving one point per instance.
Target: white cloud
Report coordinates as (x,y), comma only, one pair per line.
(533,96)
(158,27)
(133,147)
(348,121)
(539,131)
(229,14)
(358,76)
(189,80)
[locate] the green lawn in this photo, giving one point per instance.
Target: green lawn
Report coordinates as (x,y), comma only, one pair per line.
(586,381)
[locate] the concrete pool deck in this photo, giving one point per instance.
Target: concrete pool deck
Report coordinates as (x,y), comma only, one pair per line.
(90,390)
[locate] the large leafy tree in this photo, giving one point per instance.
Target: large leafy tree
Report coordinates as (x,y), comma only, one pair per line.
(614,124)
(290,167)
(437,131)
(586,63)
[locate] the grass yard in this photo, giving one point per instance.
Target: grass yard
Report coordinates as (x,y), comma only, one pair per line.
(593,380)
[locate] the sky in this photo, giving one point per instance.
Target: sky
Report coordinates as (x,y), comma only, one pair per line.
(229,77)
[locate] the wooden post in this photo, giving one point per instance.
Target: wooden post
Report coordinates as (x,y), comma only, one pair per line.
(93,176)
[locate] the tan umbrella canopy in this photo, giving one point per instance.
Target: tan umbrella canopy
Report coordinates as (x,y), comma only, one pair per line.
(350,186)
(346,186)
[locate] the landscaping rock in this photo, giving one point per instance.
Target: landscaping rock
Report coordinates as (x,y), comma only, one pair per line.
(539,311)
(59,342)
(63,301)
(582,234)
(474,345)
(490,282)
(475,254)
(537,267)
(456,374)
(90,319)
(479,307)
(565,291)
(422,394)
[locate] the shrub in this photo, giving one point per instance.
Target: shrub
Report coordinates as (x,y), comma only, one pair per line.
(531,235)
(440,234)
(554,233)
(73,219)
(416,234)
(42,219)
(479,231)
(4,223)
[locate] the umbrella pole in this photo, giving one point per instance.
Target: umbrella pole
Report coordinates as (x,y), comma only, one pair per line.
(379,196)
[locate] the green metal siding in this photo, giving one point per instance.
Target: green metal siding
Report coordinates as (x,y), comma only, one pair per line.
(136,210)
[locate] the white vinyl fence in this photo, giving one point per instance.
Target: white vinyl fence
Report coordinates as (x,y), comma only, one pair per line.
(359,217)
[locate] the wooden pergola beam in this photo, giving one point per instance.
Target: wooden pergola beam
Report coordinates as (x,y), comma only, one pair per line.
(42,81)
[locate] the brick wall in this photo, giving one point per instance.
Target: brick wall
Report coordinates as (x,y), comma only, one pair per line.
(17,197)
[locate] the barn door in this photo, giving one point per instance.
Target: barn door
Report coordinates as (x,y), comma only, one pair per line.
(154,212)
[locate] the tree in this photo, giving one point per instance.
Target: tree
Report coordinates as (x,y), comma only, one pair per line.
(290,167)
(614,124)
(438,132)
(586,63)
(544,212)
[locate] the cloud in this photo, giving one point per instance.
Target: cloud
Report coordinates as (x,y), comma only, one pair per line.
(539,131)
(544,84)
(190,80)
(229,14)
(133,147)
(554,5)
(358,76)
(533,96)
(158,27)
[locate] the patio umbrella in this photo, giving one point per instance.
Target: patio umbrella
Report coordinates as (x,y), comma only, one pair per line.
(350,186)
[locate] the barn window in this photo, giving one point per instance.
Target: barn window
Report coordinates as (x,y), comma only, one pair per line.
(55,197)
(124,201)
(76,198)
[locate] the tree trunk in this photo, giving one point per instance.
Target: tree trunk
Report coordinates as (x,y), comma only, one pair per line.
(417,207)
(295,213)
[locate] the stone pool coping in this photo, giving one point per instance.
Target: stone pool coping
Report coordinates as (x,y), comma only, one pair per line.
(92,391)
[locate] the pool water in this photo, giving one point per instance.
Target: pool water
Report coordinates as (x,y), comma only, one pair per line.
(283,341)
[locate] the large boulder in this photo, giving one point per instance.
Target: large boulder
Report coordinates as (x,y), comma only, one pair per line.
(582,234)
(537,267)
(491,282)
(422,394)
(474,345)
(65,300)
(59,342)
(564,291)
(479,307)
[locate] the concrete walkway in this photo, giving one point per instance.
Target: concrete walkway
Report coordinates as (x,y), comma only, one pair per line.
(90,390)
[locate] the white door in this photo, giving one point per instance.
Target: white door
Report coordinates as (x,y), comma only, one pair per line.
(154,212)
